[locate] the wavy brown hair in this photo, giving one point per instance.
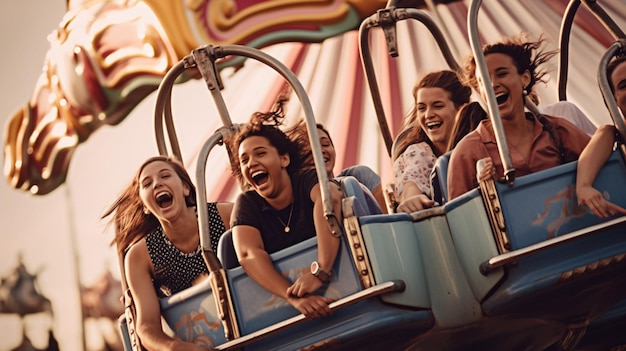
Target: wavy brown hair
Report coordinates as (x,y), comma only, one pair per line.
(131,223)
(445,79)
(466,120)
(526,54)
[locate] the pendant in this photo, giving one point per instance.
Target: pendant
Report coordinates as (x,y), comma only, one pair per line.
(287,229)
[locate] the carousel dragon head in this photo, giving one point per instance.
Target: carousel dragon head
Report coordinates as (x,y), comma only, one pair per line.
(106,56)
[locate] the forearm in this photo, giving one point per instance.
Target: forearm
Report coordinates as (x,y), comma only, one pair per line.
(327,243)
(410,189)
(259,266)
(594,156)
(152,337)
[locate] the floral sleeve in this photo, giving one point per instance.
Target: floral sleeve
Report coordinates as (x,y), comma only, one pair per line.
(415,165)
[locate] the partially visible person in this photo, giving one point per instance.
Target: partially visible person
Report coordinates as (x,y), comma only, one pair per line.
(362,173)
(563,109)
(616,73)
(535,142)
(157,233)
(282,206)
(572,113)
(595,155)
(438,97)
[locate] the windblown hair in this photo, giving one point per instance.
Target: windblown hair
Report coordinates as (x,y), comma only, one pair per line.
(526,54)
(299,135)
(131,223)
(467,119)
(459,95)
(267,125)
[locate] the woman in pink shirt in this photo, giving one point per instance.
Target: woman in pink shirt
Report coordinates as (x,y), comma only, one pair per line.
(536,142)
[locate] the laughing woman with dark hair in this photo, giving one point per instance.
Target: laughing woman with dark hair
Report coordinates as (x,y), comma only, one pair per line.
(282,207)
(536,142)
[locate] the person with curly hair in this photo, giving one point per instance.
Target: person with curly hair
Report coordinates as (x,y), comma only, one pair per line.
(282,206)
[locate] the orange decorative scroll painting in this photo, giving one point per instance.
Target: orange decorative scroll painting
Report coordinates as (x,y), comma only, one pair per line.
(106,56)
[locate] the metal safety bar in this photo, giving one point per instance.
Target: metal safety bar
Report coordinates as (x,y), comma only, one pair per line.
(387,19)
(618,47)
(485,82)
(510,257)
(566,29)
(204,60)
(383,288)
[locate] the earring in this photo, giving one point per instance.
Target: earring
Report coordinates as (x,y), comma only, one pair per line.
(146,211)
(525,92)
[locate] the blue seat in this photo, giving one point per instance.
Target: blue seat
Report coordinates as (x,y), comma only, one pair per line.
(367,204)
(226,251)
(577,278)
(395,152)
(439,179)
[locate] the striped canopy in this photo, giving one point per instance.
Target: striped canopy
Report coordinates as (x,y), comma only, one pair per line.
(333,76)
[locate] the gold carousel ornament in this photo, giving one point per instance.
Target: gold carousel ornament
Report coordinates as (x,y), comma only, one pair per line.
(106,56)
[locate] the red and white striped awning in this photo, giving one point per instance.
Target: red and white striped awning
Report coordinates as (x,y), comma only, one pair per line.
(333,76)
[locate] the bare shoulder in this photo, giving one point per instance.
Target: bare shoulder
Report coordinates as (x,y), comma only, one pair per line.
(225,209)
(137,255)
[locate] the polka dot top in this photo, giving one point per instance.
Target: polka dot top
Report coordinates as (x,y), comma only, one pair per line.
(175,270)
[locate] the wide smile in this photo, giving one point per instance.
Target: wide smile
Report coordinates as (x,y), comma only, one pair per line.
(259,178)
(502,98)
(164,199)
(434,125)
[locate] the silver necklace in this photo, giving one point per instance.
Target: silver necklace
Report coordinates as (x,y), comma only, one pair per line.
(287,229)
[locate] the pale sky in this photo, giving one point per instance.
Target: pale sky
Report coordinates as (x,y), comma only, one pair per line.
(39,227)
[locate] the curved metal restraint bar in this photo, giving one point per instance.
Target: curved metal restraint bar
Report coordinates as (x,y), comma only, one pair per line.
(218,278)
(163,110)
(383,288)
(204,59)
(618,47)
(387,18)
(566,29)
(485,81)
(510,257)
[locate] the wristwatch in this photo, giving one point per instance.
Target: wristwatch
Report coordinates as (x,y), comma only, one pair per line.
(319,273)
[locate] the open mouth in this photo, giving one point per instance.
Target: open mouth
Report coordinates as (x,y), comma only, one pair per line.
(501,98)
(433,125)
(259,177)
(164,199)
